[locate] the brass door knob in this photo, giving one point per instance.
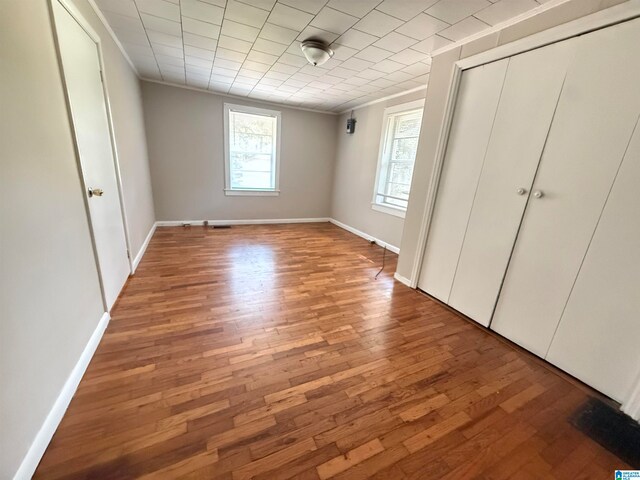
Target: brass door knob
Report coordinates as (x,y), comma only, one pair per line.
(98,192)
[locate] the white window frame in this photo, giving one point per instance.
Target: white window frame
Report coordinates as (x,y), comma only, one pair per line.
(384,138)
(228,107)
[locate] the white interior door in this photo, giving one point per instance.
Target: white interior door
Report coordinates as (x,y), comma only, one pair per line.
(594,121)
(530,94)
(478,97)
(82,73)
(597,339)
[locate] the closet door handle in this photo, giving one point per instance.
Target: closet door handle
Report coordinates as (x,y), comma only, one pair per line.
(538,194)
(521,191)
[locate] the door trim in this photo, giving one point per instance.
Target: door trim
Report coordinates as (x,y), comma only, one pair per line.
(596,21)
(70,7)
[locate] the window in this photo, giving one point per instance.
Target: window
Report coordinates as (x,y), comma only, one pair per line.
(401,128)
(252,150)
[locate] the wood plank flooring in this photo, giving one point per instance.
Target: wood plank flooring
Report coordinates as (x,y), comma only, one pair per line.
(270,352)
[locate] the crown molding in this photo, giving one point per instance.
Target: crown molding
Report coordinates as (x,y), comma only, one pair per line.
(388,97)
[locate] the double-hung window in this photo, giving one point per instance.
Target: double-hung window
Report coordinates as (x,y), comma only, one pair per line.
(398,145)
(252,150)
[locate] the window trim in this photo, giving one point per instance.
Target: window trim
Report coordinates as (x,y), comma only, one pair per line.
(262,192)
(388,112)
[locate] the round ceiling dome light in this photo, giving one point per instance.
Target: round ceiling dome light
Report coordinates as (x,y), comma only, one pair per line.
(316,52)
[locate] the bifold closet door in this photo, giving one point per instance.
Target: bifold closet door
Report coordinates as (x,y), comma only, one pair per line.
(529,97)
(591,130)
(477,102)
(597,339)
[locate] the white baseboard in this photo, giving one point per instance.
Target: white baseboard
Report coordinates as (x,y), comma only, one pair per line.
(403,280)
(45,434)
(257,221)
(391,248)
(143,248)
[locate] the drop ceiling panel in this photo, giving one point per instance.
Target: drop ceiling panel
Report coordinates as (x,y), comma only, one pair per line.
(251,48)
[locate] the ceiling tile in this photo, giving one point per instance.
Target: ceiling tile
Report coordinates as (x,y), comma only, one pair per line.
(159,8)
(263,4)
(239,31)
(340,52)
(356,64)
(394,42)
(377,23)
(202,11)
(197,27)
(408,56)
(230,55)
(164,39)
(309,6)
(452,11)
(160,24)
(431,44)
(234,44)
(467,27)
(262,57)
(388,66)
(279,34)
(245,14)
(314,33)
(404,9)
(358,8)
(199,41)
(504,10)
(333,21)
(169,51)
(422,26)
(355,39)
(122,7)
(288,17)
(267,46)
(199,52)
(381,47)
(373,54)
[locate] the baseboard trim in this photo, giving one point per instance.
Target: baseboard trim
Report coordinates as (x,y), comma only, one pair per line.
(143,248)
(45,434)
(366,236)
(257,221)
(403,280)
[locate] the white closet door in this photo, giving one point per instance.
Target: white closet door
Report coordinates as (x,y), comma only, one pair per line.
(475,110)
(597,339)
(529,97)
(594,121)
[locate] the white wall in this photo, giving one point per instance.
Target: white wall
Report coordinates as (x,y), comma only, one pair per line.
(185,138)
(355,172)
(50,301)
(558,12)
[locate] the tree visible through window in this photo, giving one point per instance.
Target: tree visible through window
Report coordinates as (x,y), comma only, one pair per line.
(397,155)
(252,149)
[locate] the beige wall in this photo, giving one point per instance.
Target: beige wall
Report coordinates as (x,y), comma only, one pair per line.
(185,138)
(558,12)
(355,173)
(50,300)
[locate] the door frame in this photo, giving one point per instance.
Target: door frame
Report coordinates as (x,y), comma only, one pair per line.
(596,21)
(70,7)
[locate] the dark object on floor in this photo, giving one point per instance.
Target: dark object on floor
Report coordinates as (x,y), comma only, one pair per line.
(221,226)
(611,428)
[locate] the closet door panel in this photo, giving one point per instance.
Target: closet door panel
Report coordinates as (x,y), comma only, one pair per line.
(530,94)
(478,98)
(597,339)
(594,120)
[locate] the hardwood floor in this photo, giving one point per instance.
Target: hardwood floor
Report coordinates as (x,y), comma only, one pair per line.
(271,352)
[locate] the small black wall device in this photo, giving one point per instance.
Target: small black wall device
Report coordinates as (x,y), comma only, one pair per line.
(351,125)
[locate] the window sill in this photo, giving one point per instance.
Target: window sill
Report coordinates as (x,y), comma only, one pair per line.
(251,193)
(396,212)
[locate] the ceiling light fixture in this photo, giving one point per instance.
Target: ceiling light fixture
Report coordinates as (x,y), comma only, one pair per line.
(316,52)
